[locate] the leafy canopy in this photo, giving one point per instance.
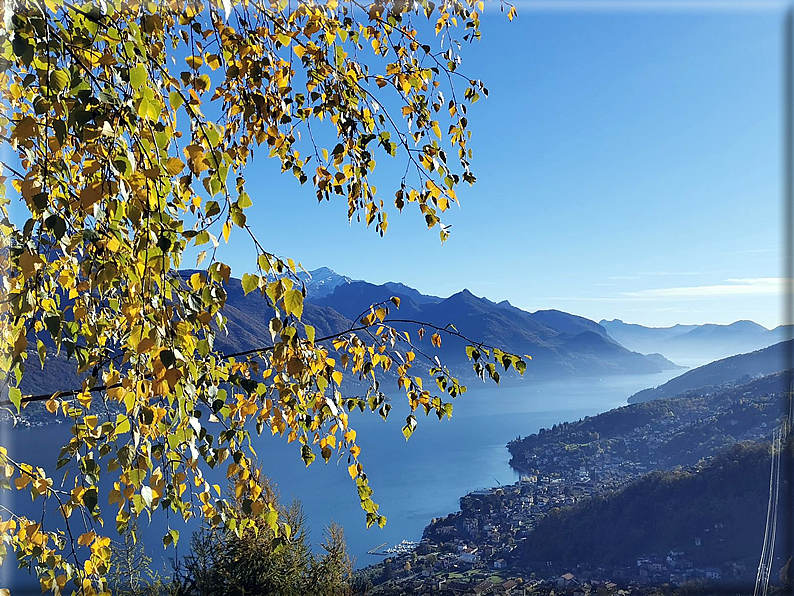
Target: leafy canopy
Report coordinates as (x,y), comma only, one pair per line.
(130,126)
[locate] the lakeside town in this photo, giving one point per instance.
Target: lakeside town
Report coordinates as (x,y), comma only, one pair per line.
(476,550)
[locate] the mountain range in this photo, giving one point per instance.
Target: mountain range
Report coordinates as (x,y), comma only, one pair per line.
(559,342)
(683,343)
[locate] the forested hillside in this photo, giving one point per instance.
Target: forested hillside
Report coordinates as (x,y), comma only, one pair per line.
(723,503)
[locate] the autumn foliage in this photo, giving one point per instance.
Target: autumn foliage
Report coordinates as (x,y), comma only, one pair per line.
(126,131)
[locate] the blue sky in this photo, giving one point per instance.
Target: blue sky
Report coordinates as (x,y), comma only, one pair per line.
(628,163)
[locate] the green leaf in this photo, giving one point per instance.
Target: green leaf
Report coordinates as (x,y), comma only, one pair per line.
(238,217)
(56,225)
(250,283)
(90,499)
(271,519)
(175,100)
(293,302)
(15,396)
(59,79)
(410,426)
(42,350)
(244,201)
(211,208)
(138,76)
(307,454)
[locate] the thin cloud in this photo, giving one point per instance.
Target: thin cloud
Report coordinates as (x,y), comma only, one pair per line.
(756,286)
(667,273)
(642,274)
(753,251)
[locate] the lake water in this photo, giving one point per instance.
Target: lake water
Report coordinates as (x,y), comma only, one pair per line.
(413,481)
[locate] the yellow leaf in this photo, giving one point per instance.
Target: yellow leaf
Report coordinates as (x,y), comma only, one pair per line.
(293,302)
(213,61)
(337,376)
(86,539)
(194,62)
(436,341)
(174,166)
(196,281)
(352,469)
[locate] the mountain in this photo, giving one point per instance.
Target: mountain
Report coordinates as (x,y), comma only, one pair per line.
(567,323)
(321,282)
(735,369)
(664,433)
(404,290)
(696,342)
(641,338)
(559,343)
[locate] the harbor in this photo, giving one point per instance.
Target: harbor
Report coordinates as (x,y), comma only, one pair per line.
(401,548)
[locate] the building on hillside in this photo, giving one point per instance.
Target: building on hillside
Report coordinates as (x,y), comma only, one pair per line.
(469,555)
(566,580)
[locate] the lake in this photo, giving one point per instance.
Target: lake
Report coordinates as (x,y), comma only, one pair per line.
(413,481)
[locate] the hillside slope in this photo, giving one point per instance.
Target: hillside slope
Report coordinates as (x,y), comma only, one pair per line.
(735,369)
(722,502)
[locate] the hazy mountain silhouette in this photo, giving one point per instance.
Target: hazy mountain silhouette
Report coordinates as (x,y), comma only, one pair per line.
(559,342)
(735,369)
(696,342)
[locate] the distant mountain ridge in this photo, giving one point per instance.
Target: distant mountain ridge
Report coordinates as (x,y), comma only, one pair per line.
(685,342)
(559,343)
(739,368)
